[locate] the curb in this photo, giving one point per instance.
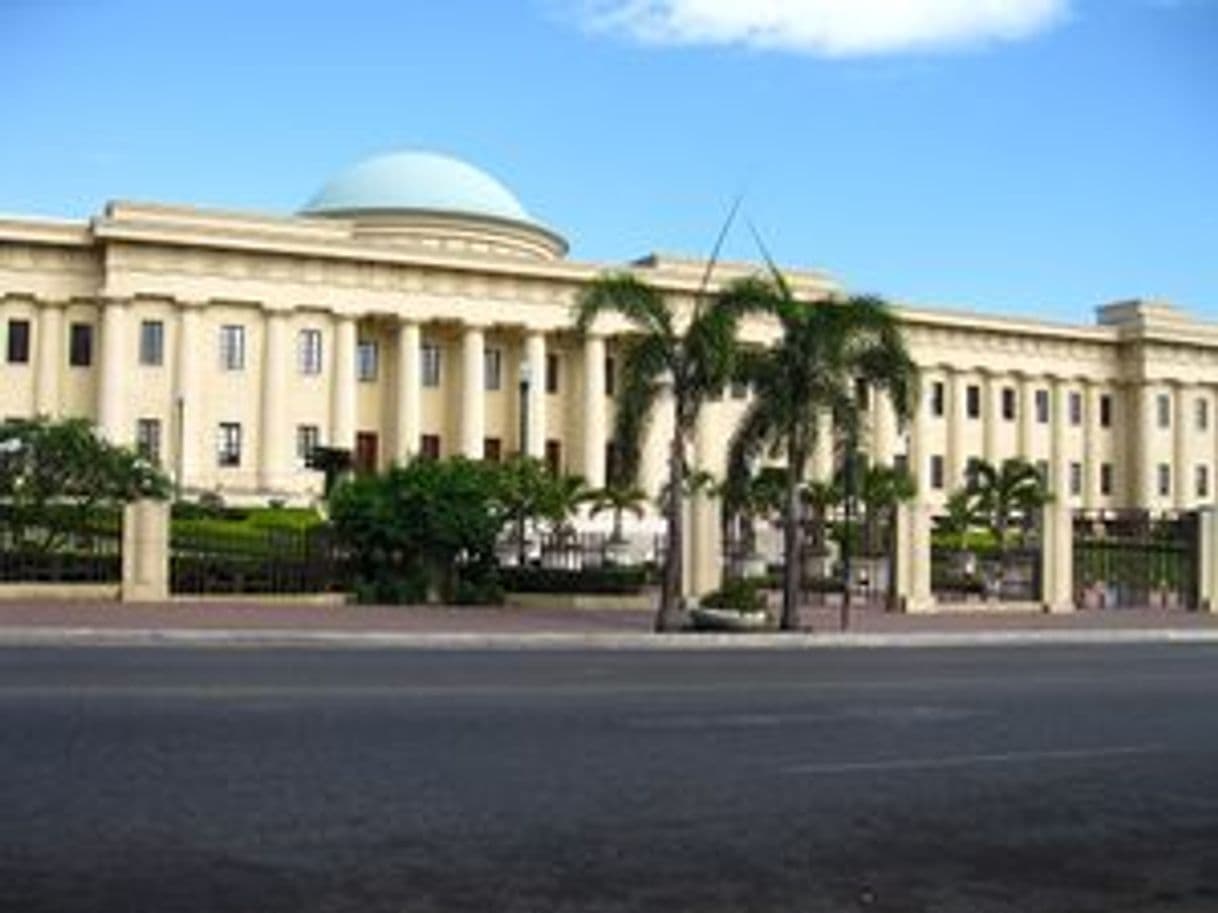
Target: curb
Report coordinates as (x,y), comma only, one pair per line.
(377,640)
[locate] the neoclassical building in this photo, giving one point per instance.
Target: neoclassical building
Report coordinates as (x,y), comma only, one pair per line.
(415,306)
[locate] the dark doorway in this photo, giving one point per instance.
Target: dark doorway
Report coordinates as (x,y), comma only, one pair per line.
(366,447)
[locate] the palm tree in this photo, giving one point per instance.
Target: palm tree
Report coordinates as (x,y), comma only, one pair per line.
(619,497)
(826,347)
(748,498)
(561,499)
(883,488)
(695,358)
(1008,499)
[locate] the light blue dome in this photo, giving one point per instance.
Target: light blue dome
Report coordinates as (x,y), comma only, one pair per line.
(414,182)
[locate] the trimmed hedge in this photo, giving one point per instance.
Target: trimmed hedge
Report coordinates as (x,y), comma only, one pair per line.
(606,580)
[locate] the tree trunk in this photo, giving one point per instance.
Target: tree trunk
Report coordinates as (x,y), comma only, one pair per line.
(669,617)
(792,547)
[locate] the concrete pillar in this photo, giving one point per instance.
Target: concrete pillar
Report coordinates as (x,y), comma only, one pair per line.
(1059,463)
(1091,453)
(822,456)
(1146,490)
(344,404)
(535,356)
(190,419)
(410,391)
(883,429)
(1207,559)
(954,458)
(50,359)
(705,565)
(914,519)
(595,434)
(274,450)
(145,552)
(112,373)
(653,468)
(1026,417)
(473,392)
(1057,558)
(1182,419)
(991,415)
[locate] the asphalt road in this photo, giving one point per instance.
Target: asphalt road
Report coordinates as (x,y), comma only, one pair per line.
(1029,779)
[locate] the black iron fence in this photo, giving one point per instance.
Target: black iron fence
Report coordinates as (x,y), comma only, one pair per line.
(67,547)
(211,560)
(961,575)
(1136,559)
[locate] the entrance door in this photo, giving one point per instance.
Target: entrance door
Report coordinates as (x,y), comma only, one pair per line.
(366,447)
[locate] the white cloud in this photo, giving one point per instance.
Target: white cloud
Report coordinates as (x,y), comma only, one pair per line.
(834,28)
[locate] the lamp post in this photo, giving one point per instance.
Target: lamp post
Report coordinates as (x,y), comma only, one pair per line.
(526,377)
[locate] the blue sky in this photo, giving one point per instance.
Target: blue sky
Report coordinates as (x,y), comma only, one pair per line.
(1044,160)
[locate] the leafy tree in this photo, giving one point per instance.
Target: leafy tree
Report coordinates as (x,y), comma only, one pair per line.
(827,346)
(961,516)
(620,498)
(525,494)
(1007,499)
(561,501)
(749,497)
(59,477)
(695,358)
(881,489)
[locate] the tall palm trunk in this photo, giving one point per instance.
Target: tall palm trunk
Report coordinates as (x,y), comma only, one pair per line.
(793,540)
(669,616)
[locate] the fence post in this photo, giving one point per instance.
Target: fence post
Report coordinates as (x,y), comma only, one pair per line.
(1207,559)
(913,558)
(1057,559)
(145,552)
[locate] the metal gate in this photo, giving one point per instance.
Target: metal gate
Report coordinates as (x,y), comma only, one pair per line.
(1136,559)
(255,561)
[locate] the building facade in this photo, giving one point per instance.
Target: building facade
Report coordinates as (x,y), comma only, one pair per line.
(414,306)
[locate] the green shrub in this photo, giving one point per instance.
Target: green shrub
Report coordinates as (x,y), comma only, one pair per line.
(740,594)
(606,580)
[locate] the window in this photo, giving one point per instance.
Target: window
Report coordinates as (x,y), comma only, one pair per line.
(1203,481)
(80,345)
(308,351)
(229,449)
(232,348)
(937,398)
(1105,479)
(429,446)
(610,376)
(1008,403)
(1164,480)
(862,394)
(972,401)
(1075,405)
(554,457)
(18,342)
(430,365)
(152,342)
(1042,407)
(900,463)
(1076,479)
(492,369)
(365,360)
(492,449)
(936,472)
(1203,414)
(1163,402)
(308,437)
(551,373)
(148,439)
(1105,411)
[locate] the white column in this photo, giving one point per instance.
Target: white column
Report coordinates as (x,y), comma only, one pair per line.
(112,373)
(595,434)
(50,359)
(473,392)
(1146,490)
(991,415)
(344,404)
(274,444)
(1057,549)
(410,390)
(883,429)
(1182,474)
(535,355)
(1059,463)
(954,458)
(653,468)
(822,456)
(914,522)
(190,420)
(1027,416)
(1091,454)
(706,547)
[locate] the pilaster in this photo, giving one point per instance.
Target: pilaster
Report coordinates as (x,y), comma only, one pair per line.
(112,373)
(275,438)
(595,434)
(50,359)
(473,392)
(344,403)
(409,390)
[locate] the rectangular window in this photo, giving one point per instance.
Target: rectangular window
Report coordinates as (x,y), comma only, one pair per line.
(366,360)
(1106,479)
(1042,407)
(936,472)
(610,376)
(308,437)
(148,439)
(492,449)
(229,444)
(1203,481)
(1163,403)
(429,446)
(152,342)
(1105,411)
(18,342)
(1203,414)
(972,401)
(551,373)
(80,345)
(1008,403)
(554,457)
(308,351)
(862,394)
(492,369)
(232,347)
(1076,479)
(937,398)
(1075,405)
(430,365)
(1164,480)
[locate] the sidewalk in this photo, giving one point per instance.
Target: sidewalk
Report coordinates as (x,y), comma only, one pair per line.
(303,624)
